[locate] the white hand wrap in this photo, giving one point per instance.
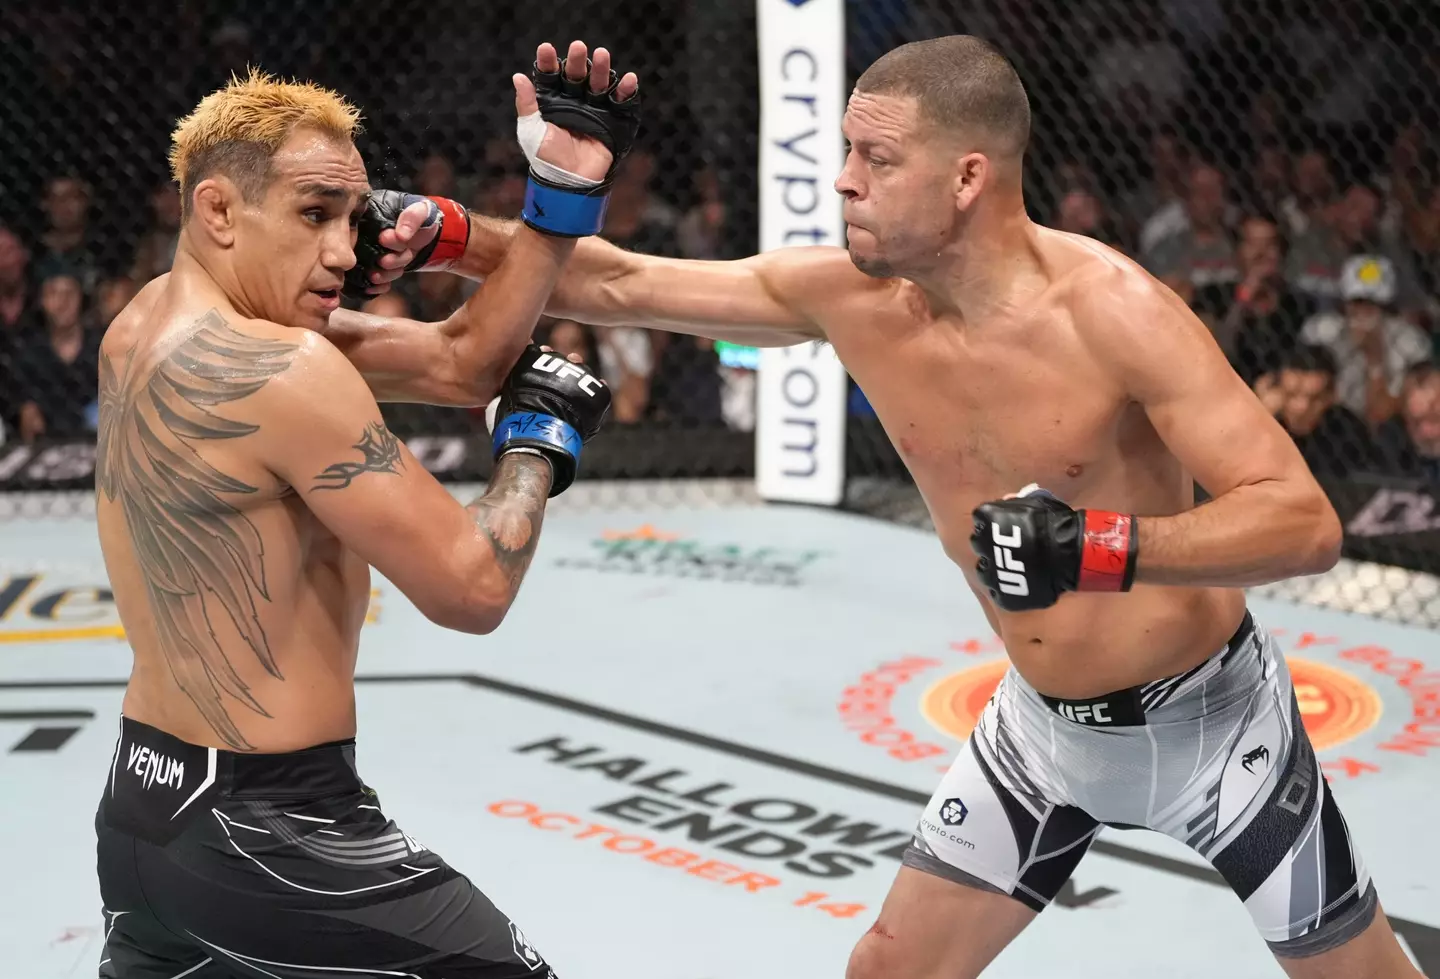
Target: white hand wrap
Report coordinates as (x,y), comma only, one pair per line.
(530,131)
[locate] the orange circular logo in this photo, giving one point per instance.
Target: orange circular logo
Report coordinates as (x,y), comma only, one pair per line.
(1334,706)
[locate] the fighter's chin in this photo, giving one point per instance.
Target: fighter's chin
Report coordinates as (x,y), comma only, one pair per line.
(313,310)
(871,265)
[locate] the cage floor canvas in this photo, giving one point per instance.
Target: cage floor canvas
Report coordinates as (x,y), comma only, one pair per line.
(708,765)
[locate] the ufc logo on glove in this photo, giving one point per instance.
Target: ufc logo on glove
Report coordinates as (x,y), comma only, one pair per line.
(1033,547)
(541,410)
(562,368)
(1009,570)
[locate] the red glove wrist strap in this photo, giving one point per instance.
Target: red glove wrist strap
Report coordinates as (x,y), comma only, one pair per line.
(1107,554)
(454,235)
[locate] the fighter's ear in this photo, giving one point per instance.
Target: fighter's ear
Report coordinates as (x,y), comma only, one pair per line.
(972,173)
(214,204)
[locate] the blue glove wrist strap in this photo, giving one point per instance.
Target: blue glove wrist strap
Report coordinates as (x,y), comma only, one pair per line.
(561,212)
(539,429)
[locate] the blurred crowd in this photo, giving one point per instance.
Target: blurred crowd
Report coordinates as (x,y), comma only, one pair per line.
(1280,174)
(1322,287)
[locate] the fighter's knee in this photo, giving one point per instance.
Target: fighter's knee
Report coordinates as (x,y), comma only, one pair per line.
(874,956)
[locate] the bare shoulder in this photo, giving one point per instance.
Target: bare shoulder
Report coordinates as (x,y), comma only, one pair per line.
(1115,304)
(249,369)
(1132,321)
(814,274)
(1111,296)
(820,281)
(297,367)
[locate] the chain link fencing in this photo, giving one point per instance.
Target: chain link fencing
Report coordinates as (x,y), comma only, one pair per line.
(1275,164)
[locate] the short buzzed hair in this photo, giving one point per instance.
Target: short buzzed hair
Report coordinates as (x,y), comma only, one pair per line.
(963,84)
(237,129)
(1309,359)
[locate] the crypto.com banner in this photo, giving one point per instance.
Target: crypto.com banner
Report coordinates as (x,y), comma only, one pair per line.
(800,394)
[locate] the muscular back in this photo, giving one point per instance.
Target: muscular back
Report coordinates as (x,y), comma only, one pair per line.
(242,610)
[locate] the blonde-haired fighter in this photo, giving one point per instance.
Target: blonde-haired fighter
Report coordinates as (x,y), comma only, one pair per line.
(246,483)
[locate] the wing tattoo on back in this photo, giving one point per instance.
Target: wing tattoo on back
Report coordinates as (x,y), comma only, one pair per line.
(201,556)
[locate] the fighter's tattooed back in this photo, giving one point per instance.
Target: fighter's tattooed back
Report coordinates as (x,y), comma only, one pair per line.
(201,556)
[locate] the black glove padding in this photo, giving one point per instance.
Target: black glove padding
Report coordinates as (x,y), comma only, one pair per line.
(381,213)
(571,105)
(1034,548)
(551,406)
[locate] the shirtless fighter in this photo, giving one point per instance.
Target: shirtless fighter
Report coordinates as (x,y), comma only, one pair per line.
(1000,354)
(247,483)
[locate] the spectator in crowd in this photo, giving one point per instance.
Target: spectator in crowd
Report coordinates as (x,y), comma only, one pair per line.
(1313,193)
(155,251)
(68,244)
(686,384)
(1135,71)
(620,354)
(1420,238)
(1268,184)
(685,369)
(114,295)
(1301,396)
(1264,120)
(637,219)
(1256,321)
(17,320)
(701,232)
(57,370)
(1318,254)
(1409,444)
(1082,212)
(16,310)
(1202,253)
(435,177)
(568,337)
(1411,169)
(1156,208)
(1372,346)
(503,194)
(438,294)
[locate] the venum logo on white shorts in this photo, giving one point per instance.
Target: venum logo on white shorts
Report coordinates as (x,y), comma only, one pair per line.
(523,949)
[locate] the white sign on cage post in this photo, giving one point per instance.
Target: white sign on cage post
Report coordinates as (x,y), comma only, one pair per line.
(801,390)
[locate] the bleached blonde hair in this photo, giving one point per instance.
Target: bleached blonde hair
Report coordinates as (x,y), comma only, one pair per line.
(236,130)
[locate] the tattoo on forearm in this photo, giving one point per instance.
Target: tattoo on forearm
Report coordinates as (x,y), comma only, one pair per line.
(512,510)
(201,556)
(381,451)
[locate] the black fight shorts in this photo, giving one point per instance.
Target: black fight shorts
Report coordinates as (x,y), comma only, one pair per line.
(213,863)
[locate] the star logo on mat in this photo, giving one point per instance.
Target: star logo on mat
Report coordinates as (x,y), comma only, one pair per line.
(643,532)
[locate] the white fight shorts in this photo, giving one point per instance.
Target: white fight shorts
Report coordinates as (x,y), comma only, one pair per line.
(1215,757)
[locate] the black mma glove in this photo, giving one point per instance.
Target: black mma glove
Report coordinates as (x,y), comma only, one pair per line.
(550,406)
(1034,548)
(554,207)
(381,213)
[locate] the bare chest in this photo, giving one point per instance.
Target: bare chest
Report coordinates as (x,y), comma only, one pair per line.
(974,422)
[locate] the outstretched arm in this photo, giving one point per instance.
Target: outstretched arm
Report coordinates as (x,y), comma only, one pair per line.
(1268,518)
(761,301)
(462,360)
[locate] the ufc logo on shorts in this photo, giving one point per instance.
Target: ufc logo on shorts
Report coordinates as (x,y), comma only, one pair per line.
(1086,713)
(1009,570)
(562,368)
